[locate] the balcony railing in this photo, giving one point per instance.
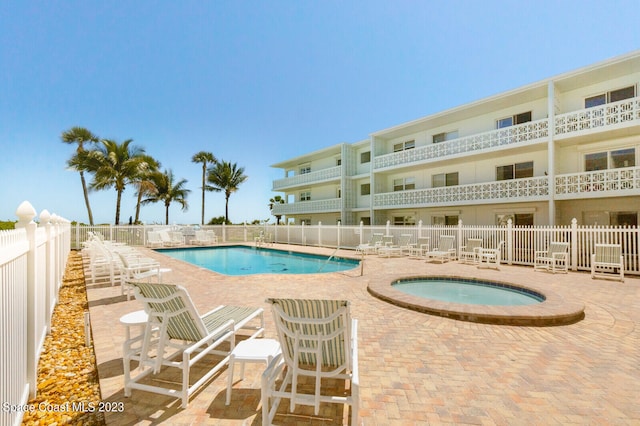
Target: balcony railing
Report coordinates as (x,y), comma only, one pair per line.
(600,117)
(527,189)
(307,178)
(600,183)
(304,207)
(527,132)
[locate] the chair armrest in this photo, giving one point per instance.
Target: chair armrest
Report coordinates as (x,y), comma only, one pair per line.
(355,381)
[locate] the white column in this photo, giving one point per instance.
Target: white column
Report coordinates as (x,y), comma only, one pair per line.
(551,157)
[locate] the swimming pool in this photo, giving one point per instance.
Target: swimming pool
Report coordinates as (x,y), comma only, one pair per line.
(468,291)
(243,260)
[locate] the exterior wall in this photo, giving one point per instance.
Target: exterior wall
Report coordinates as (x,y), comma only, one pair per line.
(556,141)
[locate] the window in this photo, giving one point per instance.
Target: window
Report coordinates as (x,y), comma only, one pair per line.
(305,221)
(515,171)
(365,189)
(305,169)
(444,220)
(446,136)
(404,184)
(404,220)
(338,161)
(403,146)
(444,179)
(592,218)
(365,157)
(513,120)
(366,220)
(305,196)
(624,219)
(517,219)
(610,160)
(338,192)
(612,96)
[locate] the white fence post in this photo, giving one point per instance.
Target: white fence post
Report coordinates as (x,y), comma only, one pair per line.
(574,244)
(26,213)
(459,237)
(510,231)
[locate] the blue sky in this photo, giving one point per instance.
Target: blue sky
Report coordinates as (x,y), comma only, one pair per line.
(258,82)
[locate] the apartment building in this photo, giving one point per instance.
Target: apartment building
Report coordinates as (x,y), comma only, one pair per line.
(542,154)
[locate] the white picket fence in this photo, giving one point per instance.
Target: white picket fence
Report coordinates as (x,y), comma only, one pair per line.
(520,246)
(33,258)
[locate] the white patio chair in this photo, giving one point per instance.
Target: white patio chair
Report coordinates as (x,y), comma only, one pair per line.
(175,320)
(396,249)
(555,258)
(154,239)
(490,258)
(445,250)
(319,341)
(420,249)
(606,260)
(471,252)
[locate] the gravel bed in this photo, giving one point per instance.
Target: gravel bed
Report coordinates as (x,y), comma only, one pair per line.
(68,385)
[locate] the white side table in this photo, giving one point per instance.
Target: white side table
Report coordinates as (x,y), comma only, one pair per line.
(252,350)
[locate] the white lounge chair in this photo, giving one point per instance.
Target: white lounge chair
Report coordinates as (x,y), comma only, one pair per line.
(490,258)
(471,252)
(555,258)
(445,250)
(606,260)
(175,320)
(204,238)
(319,341)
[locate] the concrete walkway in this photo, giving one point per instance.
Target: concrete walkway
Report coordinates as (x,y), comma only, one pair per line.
(415,368)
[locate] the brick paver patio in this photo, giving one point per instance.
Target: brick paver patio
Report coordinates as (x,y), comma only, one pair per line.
(415,368)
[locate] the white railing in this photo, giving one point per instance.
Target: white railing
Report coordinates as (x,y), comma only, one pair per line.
(32,263)
(613,182)
(519,249)
(526,189)
(302,207)
(531,132)
(598,118)
(308,178)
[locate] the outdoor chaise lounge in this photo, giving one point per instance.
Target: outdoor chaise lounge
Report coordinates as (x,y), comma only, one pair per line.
(319,342)
(606,260)
(445,250)
(471,251)
(204,238)
(555,258)
(420,249)
(174,323)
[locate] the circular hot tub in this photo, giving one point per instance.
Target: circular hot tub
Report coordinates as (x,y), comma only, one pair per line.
(483,301)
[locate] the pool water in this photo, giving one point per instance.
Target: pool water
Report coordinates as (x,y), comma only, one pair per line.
(468,291)
(242,260)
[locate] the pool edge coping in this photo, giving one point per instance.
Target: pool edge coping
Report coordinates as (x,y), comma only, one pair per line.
(554,310)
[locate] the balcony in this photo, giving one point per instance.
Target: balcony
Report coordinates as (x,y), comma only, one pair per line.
(603,117)
(523,134)
(306,207)
(601,183)
(304,179)
(516,190)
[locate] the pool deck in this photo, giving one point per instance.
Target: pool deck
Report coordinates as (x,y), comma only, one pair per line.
(415,368)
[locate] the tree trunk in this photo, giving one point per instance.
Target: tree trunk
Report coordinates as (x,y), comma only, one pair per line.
(204,171)
(118,198)
(166,214)
(86,198)
(138,206)
(226,209)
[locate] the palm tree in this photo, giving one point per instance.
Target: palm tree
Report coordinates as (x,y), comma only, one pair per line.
(143,182)
(115,165)
(276,200)
(81,136)
(168,191)
(227,177)
(204,157)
